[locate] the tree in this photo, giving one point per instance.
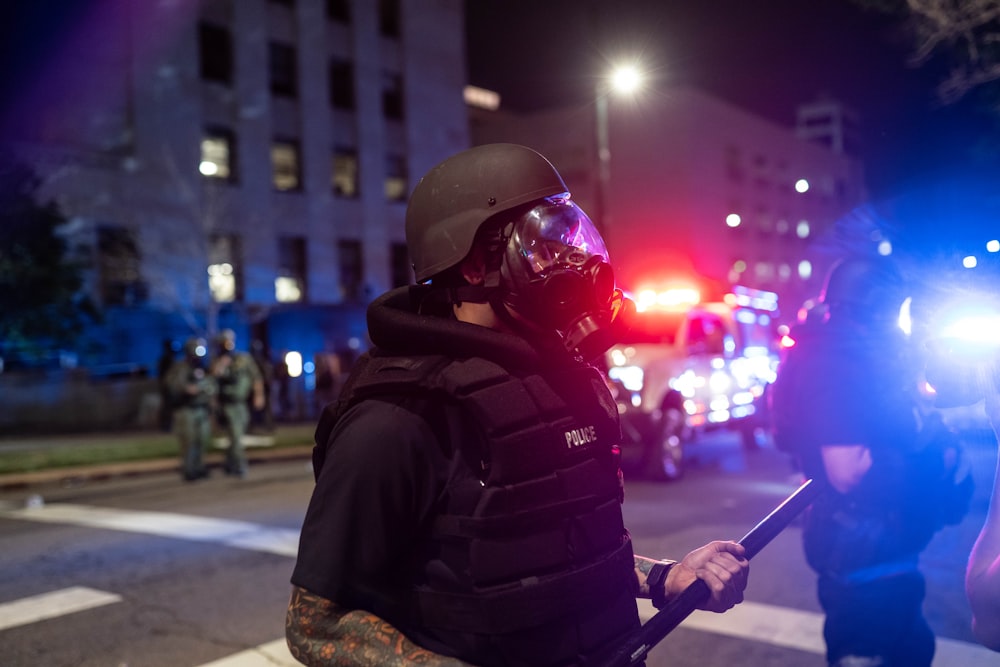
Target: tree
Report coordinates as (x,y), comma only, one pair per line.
(41,299)
(965,32)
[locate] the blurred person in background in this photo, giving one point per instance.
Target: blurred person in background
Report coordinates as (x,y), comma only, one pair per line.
(845,402)
(262,418)
(982,577)
(167,357)
(467,507)
(239,381)
(192,391)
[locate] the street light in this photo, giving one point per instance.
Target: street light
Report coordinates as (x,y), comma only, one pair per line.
(622,80)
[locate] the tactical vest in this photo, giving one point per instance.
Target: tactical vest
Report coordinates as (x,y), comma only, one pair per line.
(538,559)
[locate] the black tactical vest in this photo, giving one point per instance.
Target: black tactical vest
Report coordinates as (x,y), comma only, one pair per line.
(538,562)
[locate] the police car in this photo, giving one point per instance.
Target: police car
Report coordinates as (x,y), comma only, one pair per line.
(688,365)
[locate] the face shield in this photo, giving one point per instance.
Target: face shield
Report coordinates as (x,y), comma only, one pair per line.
(556,274)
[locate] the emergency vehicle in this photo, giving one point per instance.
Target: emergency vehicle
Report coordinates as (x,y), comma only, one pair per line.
(687,365)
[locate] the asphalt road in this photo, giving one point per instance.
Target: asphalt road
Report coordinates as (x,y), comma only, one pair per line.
(148,571)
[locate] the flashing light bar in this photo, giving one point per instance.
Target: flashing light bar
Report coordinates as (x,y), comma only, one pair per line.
(675,297)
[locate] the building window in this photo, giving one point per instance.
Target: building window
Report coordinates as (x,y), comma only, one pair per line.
(224,268)
(392,95)
(286,171)
(341,84)
(283,80)
(290,285)
(345,172)
(396,182)
(389,18)
(218,154)
(351,269)
(402,272)
(215,49)
(119,262)
(338,10)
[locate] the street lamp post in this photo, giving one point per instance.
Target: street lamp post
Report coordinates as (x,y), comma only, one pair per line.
(623,80)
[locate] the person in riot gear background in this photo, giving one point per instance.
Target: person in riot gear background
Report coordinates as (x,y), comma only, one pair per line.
(845,403)
(238,379)
(192,391)
(467,507)
(982,576)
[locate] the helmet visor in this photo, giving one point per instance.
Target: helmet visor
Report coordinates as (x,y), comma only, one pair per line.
(556,234)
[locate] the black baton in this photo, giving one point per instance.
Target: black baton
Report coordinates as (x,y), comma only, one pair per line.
(638,644)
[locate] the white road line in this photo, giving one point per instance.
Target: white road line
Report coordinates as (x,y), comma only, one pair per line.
(51,605)
(753,621)
(271,654)
(240,534)
(803,631)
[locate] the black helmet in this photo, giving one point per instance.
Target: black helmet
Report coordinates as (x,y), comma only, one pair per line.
(454,199)
(864,289)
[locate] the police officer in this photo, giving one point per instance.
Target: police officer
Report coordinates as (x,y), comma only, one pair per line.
(467,507)
(238,378)
(844,402)
(192,391)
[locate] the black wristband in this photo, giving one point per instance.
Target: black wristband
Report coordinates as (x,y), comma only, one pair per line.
(655,580)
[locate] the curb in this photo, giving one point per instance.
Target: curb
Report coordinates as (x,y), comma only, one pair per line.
(107,471)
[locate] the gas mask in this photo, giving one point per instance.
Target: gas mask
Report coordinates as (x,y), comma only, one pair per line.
(555,273)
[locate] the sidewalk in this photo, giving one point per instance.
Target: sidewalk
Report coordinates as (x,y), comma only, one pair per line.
(260,448)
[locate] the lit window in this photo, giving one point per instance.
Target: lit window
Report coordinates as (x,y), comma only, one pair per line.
(802,185)
(805,269)
(396,185)
(802,229)
(287,290)
(285,165)
(784,272)
(290,285)
(345,172)
(733,220)
(222,282)
(217,155)
(224,279)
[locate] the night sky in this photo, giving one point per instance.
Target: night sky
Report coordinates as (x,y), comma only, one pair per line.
(766,56)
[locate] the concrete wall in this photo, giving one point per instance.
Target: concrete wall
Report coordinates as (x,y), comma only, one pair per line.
(69,401)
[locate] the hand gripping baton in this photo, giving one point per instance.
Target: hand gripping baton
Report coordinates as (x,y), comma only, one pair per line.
(638,644)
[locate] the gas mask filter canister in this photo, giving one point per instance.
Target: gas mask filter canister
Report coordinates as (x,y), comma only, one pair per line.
(556,274)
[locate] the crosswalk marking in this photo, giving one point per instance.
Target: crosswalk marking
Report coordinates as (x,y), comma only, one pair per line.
(753,621)
(50,605)
(240,534)
(803,630)
(271,654)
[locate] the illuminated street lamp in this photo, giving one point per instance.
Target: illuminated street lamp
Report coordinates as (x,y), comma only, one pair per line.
(622,80)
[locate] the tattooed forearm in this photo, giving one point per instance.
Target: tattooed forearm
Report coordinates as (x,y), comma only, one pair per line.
(320,633)
(642,568)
